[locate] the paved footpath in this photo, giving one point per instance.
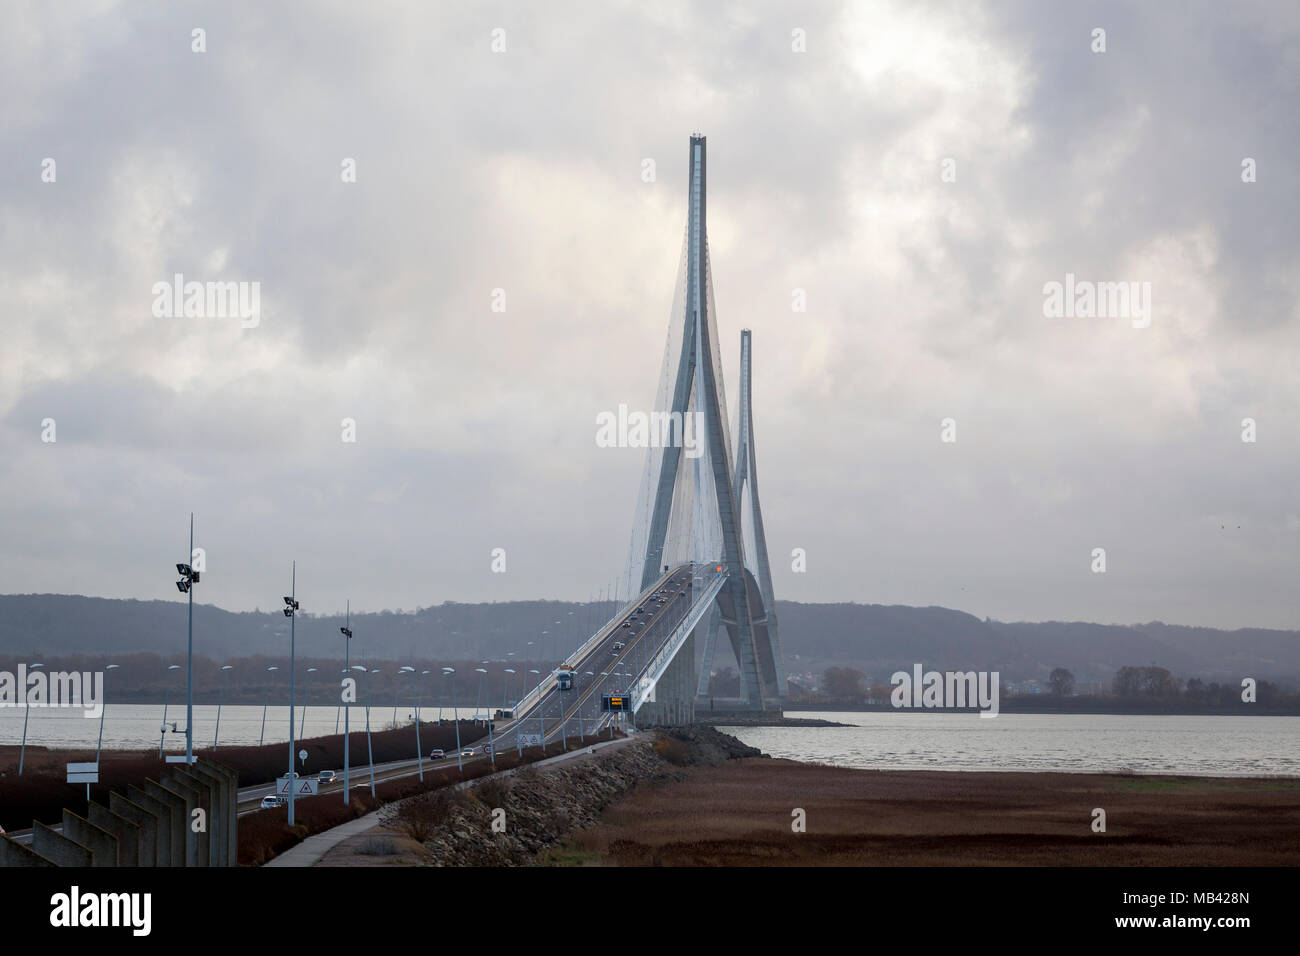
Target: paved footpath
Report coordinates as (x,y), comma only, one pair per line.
(310,850)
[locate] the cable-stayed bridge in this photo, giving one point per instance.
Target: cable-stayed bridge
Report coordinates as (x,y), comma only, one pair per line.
(698,558)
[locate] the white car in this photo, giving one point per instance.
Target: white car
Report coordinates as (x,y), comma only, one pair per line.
(272,800)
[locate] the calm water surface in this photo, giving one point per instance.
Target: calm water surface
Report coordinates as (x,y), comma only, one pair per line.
(1089,743)
(132,726)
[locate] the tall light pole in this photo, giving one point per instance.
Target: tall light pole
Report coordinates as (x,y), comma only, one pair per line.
(492,751)
(167,689)
(103,710)
(266,703)
(302,726)
(404,669)
(221,692)
(478,700)
(419,749)
(460,766)
(541,717)
(189,578)
(291,612)
(514,711)
(27,712)
(346,630)
(370,749)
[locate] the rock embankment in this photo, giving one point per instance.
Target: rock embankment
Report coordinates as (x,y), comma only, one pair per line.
(511,821)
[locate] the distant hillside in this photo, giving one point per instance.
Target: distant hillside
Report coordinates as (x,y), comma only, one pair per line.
(879,639)
(875,638)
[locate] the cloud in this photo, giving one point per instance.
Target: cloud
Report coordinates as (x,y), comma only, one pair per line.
(522,171)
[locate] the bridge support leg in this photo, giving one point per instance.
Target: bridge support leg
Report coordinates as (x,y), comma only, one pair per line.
(674,703)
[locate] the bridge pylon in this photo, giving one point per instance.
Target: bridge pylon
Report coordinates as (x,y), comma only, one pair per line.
(767,638)
(709,483)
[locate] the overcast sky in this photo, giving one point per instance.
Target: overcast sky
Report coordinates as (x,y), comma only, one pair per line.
(522,169)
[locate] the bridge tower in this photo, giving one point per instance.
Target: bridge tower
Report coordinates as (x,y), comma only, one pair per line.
(768,640)
(743,607)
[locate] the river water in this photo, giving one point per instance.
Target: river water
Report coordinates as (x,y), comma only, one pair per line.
(135,726)
(1088,743)
(1091,743)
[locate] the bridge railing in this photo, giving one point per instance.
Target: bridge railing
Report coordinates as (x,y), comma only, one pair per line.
(546,683)
(655,667)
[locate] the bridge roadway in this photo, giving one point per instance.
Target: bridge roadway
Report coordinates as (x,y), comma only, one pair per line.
(595,665)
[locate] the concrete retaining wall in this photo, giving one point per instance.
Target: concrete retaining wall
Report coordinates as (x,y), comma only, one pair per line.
(152,825)
(148,822)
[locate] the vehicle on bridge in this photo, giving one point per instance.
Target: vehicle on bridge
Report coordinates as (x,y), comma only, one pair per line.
(504,713)
(438,754)
(619,645)
(272,800)
(564,676)
(326,776)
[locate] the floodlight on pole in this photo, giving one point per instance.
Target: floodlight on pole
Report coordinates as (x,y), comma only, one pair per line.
(291,612)
(346,631)
(189,578)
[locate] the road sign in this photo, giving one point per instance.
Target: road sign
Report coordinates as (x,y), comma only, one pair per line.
(302,786)
(302,755)
(615,702)
(83,773)
(530,740)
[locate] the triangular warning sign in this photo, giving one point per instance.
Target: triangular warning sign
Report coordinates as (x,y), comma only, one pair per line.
(306,787)
(285,788)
